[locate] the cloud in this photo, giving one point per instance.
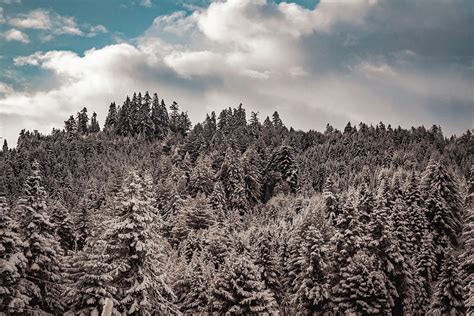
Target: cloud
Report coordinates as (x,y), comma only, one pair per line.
(16,35)
(10,1)
(5,88)
(146,3)
(53,24)
(2,18)
(361,60)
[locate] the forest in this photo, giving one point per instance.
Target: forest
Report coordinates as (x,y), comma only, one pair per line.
(234,215)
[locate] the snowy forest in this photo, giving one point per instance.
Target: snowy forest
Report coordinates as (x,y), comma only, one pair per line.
(235,215)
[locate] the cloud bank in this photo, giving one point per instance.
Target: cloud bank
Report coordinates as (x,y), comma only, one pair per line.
(401,62)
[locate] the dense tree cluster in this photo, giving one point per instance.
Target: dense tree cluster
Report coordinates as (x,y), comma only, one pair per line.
(233,216)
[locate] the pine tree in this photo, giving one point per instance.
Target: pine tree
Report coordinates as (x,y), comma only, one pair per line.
(467,255)
(174,117)
(12,264)
(192,287)
(281,168)
(266,258)
(202,177)
(448,298)
(134,250)
(112,118)
(159,117)
(362,289)
(443,203)
(91,281)
(124,124)
(232,177)
(70,126)
(238,289)
(64,227)
(5,146)
(82,122)
(94,126)
(252,166)
(42,251)
(312,289)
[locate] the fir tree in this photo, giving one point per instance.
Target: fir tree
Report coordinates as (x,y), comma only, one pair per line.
(70,126)
(134,251)
(232,177)
(42,251)
(5,146)
(94,126)
(82,122)
(238,289)
(159,117)
(448,297)
(64,227)
(13,264)
(442,202)
(202,177)
(112,118)
(252,166)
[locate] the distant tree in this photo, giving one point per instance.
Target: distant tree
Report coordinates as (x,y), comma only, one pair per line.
(125,119)
(112,118)
(82,122)
(70,126)
(5,146)
(94,126)
(276,120)
(252,166)
(231,175)
(159,116)
(202,177)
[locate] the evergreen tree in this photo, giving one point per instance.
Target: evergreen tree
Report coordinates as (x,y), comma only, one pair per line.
(134,251)
(82,122)
(252,166)
(312,289)
(202,177)
(13,264)
(64,227)
(42,251)
(238,289)
(362,289)
(125,119)
(232,177)
(112,118)
(448,298)
(94,126)
(70,126)
(159,117)
(193,286)
(443,203)
(5,146)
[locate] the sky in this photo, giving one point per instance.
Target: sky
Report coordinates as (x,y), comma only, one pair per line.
(403,62)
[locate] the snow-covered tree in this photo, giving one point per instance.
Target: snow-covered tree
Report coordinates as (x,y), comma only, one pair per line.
(448,297)
(134,251)
(12,264)
(202,177)
(232,177)
(239,289)
(64,227)
(42,251)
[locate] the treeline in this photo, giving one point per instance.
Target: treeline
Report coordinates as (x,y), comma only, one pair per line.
(234,216)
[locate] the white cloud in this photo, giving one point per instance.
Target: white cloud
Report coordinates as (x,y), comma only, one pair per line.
(36,19)
(145,3)
(16,35)
(10,1)
(53,24)
(5,88)
(2,18)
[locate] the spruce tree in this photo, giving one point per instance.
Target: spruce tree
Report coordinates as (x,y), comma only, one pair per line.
(13,264)
(94,126)
(448,297)
(134,251)
(202,177)
(232,177)
(112,118)
(82,122)
(42,251)
(159,117)
(239,289)
(252,166)
(443,203)
(64,227)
